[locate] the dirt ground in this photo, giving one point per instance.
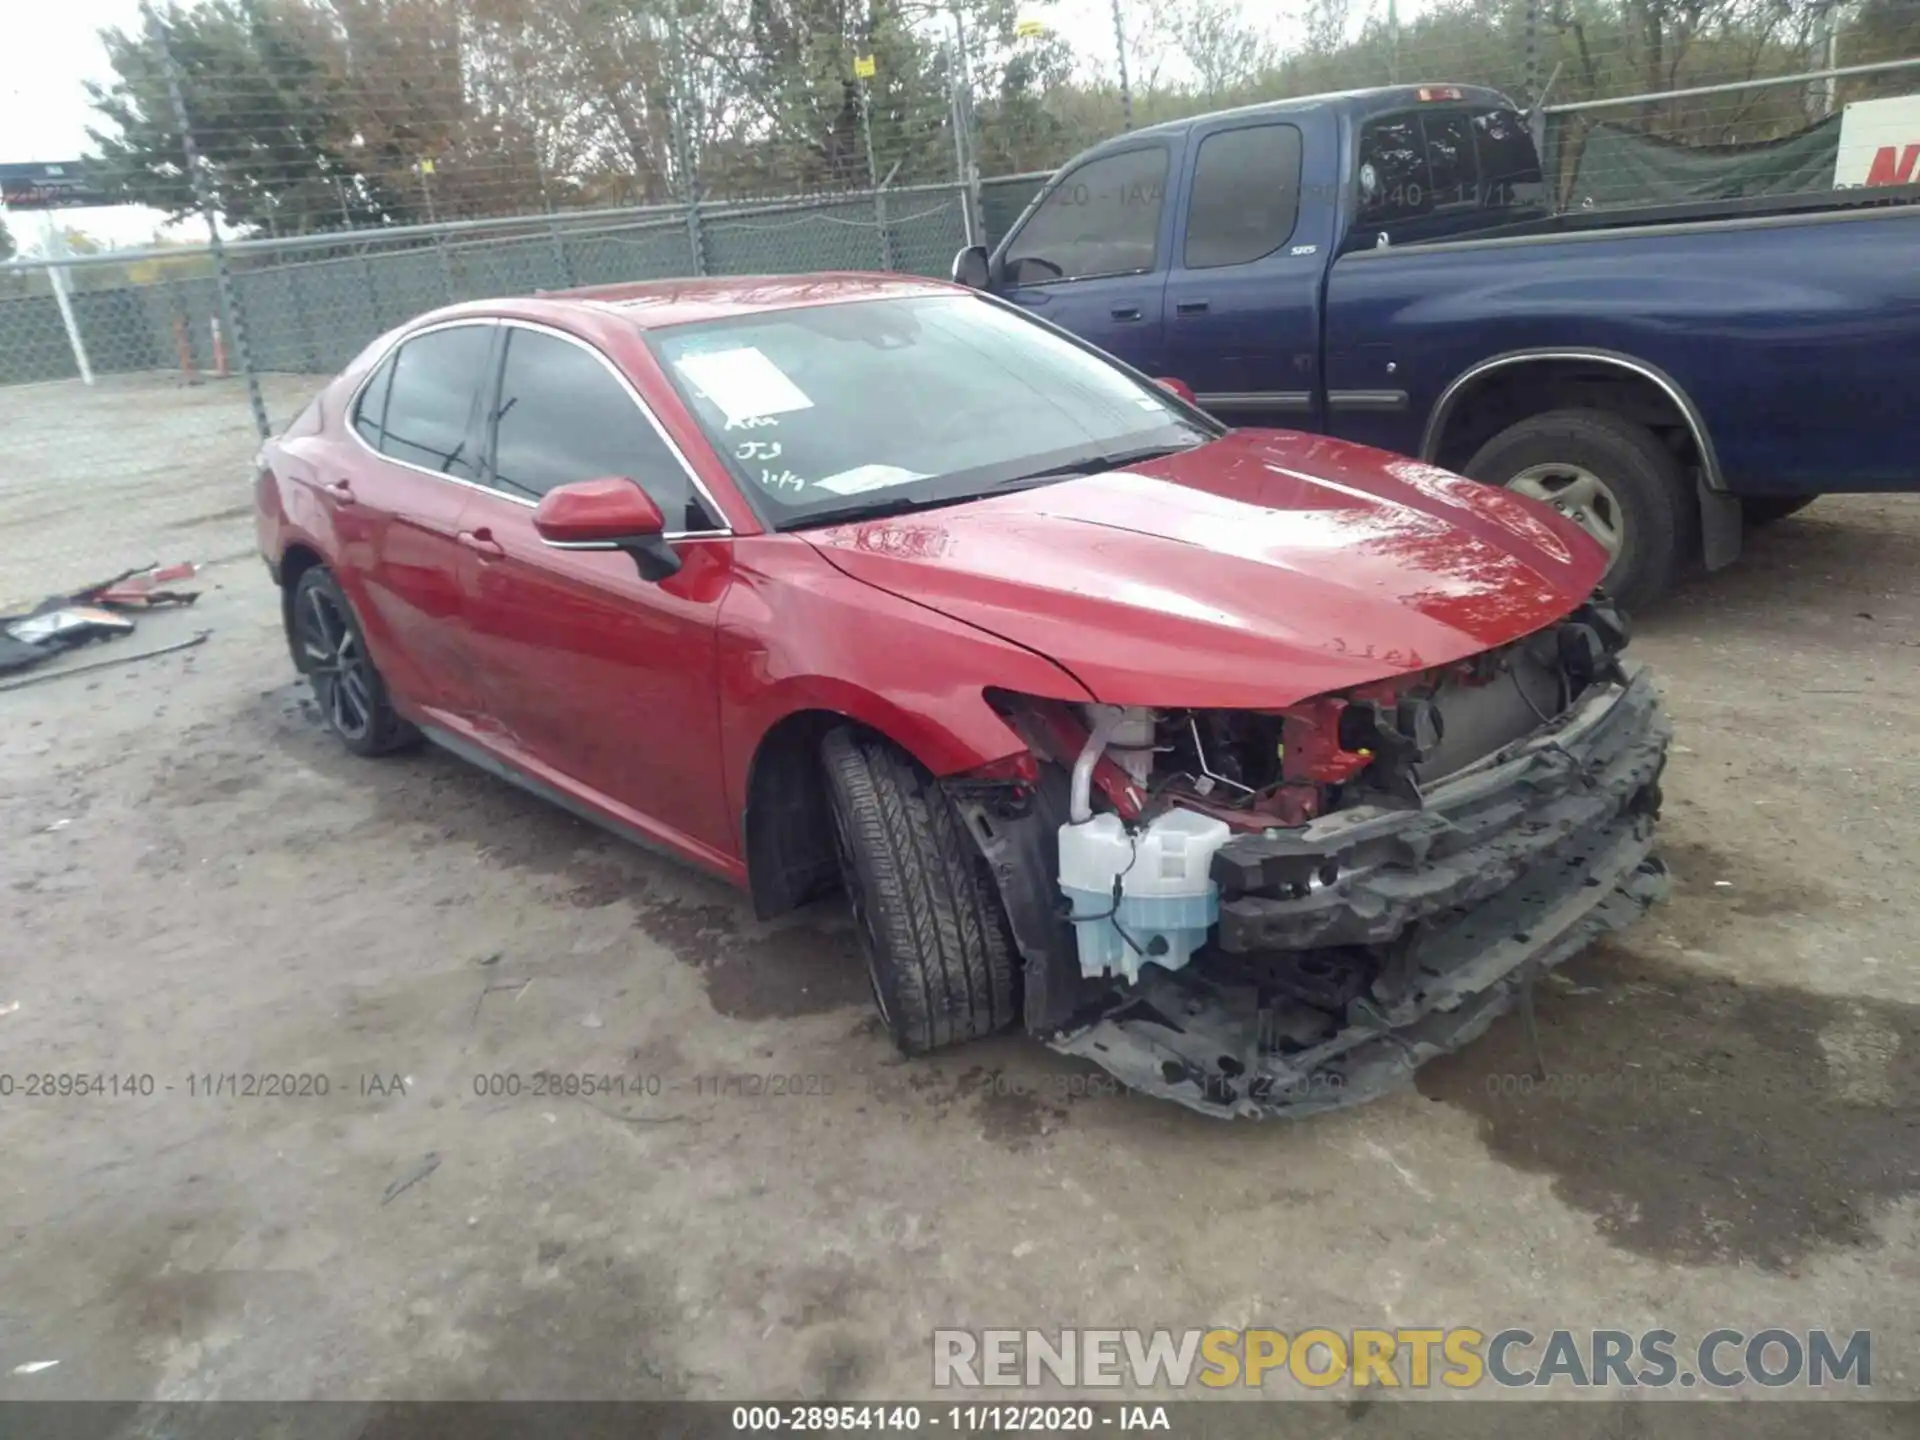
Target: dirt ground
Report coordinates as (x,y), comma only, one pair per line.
(199,884)
(133,469)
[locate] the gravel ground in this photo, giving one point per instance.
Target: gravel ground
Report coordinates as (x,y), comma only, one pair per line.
(199,884)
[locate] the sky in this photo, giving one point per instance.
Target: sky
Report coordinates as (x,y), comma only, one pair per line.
(44,111)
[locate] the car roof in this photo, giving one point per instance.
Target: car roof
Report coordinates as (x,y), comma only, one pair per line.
(655,304)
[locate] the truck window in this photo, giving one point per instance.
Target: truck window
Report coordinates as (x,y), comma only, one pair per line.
(1453,175)
(1444,162)
(1101,219)
(1509,168)
(1393,171)
(1246,195)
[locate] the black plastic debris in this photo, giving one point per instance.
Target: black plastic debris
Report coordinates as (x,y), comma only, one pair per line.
(63,622)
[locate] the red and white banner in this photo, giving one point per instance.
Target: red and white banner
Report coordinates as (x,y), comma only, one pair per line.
(1879,143)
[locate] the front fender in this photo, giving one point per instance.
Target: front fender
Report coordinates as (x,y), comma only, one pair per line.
(798,635)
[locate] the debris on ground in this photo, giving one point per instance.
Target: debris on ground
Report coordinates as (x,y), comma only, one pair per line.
(199,637)
(62,622)
(141,589)
(423,1167)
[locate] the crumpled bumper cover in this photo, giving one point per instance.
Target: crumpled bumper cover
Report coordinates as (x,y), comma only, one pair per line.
(1511,867)
(1362,877)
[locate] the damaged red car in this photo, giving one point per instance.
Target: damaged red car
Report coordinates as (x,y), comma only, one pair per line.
(1254,766)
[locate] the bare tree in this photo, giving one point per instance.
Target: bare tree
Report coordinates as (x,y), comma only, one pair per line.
(1226,52)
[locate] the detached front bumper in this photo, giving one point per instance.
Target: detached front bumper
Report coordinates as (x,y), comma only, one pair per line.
(1354,949)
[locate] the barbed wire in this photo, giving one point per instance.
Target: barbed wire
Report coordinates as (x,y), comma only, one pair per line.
(315,115)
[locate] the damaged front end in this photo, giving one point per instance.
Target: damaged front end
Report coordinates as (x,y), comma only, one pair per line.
(1259,913)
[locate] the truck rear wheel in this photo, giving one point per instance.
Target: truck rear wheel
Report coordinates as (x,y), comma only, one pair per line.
(1612,477)
(939,952)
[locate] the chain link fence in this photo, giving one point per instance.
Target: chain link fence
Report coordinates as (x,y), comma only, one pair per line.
(126,398)
(354,164)
(309,304)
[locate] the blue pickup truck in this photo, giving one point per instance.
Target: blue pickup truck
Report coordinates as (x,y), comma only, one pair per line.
(1384,266)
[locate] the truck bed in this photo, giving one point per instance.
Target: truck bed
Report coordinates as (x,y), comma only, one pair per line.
(1704,212)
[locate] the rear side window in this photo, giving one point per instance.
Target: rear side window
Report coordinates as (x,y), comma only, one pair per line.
(1393,170)
(1509,169)
(563,416)
(1445,162)
(369,414)
(1246,194)
(436,380)
(1101,219)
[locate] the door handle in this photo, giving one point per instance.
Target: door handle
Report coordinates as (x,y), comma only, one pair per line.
(340,490)
(1031,298)
(1125,312)
(482,543)
(1190,307)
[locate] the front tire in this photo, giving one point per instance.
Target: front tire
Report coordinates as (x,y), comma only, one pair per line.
(939,952)
(331,651)
(1614,479)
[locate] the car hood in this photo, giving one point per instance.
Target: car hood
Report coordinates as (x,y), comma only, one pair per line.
(1257,570)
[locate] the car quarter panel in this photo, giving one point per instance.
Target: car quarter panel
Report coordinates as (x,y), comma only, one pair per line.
(386,533)
(1793,336)
(797,634)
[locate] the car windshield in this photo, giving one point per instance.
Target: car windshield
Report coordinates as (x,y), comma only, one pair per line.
(871,407)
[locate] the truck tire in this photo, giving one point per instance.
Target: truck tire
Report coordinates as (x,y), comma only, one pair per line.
(1635,493)
(938,948)
(1760,510)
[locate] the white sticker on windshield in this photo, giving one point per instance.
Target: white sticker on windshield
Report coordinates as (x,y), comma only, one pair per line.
(866,477)
(744,383)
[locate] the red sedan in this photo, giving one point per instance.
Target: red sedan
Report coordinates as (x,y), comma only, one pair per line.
(1255,766)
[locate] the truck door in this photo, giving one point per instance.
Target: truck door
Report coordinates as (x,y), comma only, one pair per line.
(1088,256)
(1243,292)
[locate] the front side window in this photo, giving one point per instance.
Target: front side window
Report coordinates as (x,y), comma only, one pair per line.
(562,416)
(437,378)
(1101,219)
(842,410)
(1246,194)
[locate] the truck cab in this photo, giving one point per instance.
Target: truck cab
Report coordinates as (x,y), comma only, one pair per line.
(1200,248)
(1385,266)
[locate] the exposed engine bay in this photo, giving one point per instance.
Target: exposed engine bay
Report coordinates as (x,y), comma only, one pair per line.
(1259,912)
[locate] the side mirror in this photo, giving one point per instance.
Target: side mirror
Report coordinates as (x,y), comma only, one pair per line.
(1178,387)
(970,267)
(609,514)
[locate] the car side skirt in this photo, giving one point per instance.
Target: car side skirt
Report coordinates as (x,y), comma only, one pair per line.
(592,807)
